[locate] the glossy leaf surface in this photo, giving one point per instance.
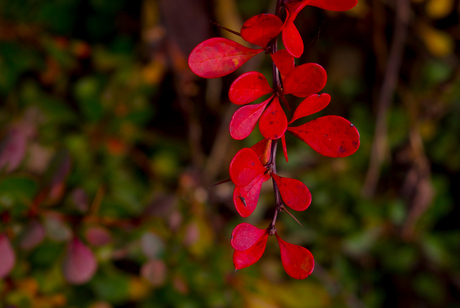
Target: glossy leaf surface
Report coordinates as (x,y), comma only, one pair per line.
(263,150)
(284,61)
(245,167)
(80,264)
(245,235)
(298,262)
(293,192)
(245,119)
(248,87)
(331,136)
(312,104)
(217,57)
(261,29)
(245,258)
(246,197)
(7,256)
(273,122)
(305,80)
(292,40)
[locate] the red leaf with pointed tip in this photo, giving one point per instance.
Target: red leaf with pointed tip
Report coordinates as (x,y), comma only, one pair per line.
(248,87)
(305,79)
(334,5)
(245,167)
(261,29)
(292,40)
(218,57)
(293,192)
(244,119)
(284,61)
(311,105)
(263,150)
(273,122)
(245,235)
(298,262)
(331,136)
(246,197)
(7,256)
(245,258)
(79,264)
(283,142)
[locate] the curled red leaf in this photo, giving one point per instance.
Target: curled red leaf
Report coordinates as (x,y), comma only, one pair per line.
(246,197)
(293,192)
(245,118)
(298,262)
(331,136)
(261,29)
(245,258)
(245,167)
(273,122)
(284,61)
(248,87)
(283,142)
(312,104)
(263,150)
(305,80)
(217,57)
(245,235)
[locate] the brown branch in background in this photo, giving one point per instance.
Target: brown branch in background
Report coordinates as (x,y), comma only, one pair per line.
(386,93)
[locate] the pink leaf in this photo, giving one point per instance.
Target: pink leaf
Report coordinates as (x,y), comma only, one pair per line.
(284,61)
(246,197)
(283,142)
(311,105)
(217,57)
(155,271)
(79,264)
(34,233)
(245,235)
(245,167)
(261,29)
(244,119)
(263,150)
(248,87)
(292,40)
(98,236)
(334,5)
(298,262)
(331,136)
(293,192)
(7,256)
(245,258)
(273,122)
(305,80)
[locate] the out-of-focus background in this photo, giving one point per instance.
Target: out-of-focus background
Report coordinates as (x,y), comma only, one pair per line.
(109,146)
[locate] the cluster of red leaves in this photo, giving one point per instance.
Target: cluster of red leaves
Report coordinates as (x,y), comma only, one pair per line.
(331,136)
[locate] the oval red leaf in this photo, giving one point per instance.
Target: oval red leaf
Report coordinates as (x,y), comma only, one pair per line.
(284,61)
(334,5)
(245,235)
(248,87)
(79,264)
(244,119)
(293,192)
(292,40)
(273,122)
(311,105)
(331,136)
(305,80)
(7,256)
(245,167)
(263,150)
(246,197)
(298,262)
(261,29)
(218,57)
(245,258)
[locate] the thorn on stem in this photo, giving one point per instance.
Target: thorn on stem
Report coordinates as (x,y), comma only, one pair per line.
(283,208)
(224,28)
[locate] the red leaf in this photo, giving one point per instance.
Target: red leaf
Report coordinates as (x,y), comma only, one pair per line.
(218,57)
(7,256)
(293,8)
(245,167)
(261,29)
(334,5)
(305,79)
(298,262)
(263,150)
(273,122)
(245,258)
(80,264)
(244,119)
(283,142)
(292,40)
(311,105)
(293,192)
(246,197)
(331,136)
(248,87)
(245,235)
(284,61)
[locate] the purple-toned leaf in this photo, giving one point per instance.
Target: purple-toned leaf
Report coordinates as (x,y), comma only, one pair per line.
(292,40)
(79,264)
(273,122)
(152,245)
(331,136)
(245,258)
(246,197)
(312,104)
(245,167)
(293,192)
(248,87)
(13,148)
(305,80)
(245,119)
(33,234)
(298,262)
(217,57)
(245,235)
(80,200)
(261,29)
(97,236)
(155,271)
(7,256)
(284,61)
